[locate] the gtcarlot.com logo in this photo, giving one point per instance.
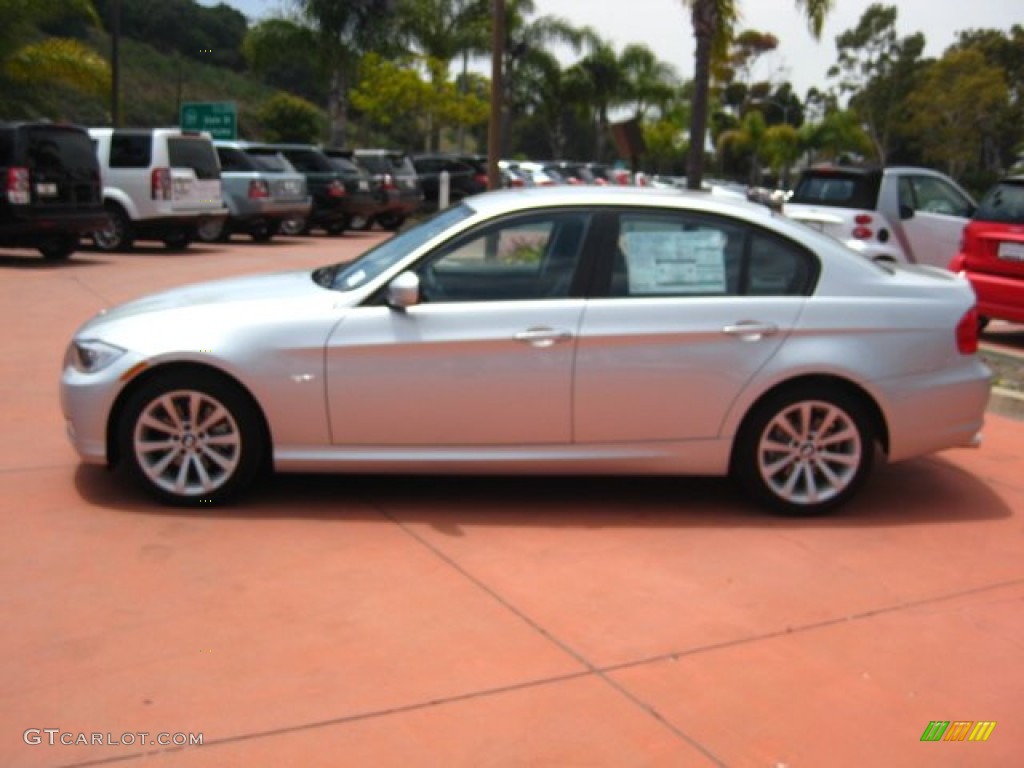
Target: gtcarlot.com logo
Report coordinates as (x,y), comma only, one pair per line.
(55,736)
(958,730)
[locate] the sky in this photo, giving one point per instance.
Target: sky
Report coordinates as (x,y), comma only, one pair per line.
(664,26)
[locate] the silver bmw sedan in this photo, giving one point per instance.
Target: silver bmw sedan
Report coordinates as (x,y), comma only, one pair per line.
(558,331)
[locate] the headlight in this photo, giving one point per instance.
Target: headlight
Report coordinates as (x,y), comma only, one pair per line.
(90,355)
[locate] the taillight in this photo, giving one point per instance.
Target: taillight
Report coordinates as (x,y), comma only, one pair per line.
(160,184)
(335,189)
(480,179)
(387,181)
(19,187)
(967,332)
(258,189)
(863,229)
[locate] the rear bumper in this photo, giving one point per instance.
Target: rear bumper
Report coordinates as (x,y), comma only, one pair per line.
(252,210)
(999,297)
(34,228)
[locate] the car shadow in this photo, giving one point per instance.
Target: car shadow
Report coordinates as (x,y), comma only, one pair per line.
(34,261)
(917,492)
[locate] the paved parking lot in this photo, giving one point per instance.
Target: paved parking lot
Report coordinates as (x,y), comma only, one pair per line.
(368,621)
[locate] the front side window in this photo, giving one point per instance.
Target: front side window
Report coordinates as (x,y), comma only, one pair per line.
(928,194)
(521,258)
(683,254)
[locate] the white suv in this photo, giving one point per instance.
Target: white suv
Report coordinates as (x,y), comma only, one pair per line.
(158,184)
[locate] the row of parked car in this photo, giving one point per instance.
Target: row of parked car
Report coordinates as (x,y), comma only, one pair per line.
(117,186)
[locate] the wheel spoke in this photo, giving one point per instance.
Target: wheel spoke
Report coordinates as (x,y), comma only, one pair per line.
(223,462)
(215,416)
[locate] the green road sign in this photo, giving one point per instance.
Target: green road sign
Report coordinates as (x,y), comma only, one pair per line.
(218,118)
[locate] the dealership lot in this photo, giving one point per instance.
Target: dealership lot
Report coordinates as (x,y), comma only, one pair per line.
(467,622)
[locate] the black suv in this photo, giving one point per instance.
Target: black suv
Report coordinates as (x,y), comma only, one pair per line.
(361,201)
(395,182)
(465,176)
(52,190)
(324,183)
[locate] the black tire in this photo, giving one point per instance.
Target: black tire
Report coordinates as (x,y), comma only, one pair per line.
(264,231)
(59,247)
(208,450)
(360,223)
(391,221)
(179,241)
(117,235)
(213,231)
(296,226)
(781,459)
(335,228)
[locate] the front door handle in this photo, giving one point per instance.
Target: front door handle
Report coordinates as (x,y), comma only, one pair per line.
(750,330)
(543,337)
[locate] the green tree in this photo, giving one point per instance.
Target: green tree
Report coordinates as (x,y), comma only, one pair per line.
(283,53)
(647,81)
(288,118)
(878,70)
(837,135)
(957,108)
(30,61)
(713,22)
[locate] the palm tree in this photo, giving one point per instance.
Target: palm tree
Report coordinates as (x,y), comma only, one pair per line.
(344,32)
(713,23)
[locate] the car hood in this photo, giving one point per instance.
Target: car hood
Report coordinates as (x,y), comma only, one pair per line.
(213,310)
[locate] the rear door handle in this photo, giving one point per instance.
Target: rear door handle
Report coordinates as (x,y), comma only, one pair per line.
(750,330)
(543,337)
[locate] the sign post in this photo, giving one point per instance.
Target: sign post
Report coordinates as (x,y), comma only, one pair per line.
(218,118)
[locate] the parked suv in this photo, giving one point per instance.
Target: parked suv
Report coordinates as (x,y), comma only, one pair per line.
(889,214)
(396,183)
(261,190)
(464,178)
(992,254)
(361,203)
(52,191)
(326,186)
(158,184)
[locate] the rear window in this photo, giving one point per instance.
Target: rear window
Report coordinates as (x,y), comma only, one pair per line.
(197,154)
(267,160)
(395,163)
(346,166)
(1004,203)
(308,161)
(838,190)
(51,149)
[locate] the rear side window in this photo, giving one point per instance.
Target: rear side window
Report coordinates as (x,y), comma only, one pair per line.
(1004,204)
(838,190)
(6,147)
(131,150)
(197,154)
(52,149)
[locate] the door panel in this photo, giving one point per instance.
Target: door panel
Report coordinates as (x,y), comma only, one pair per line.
(454,374)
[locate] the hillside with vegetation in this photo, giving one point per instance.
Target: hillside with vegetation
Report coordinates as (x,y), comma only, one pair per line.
(396,73)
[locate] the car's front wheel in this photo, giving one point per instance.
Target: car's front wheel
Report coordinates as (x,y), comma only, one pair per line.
(213,230)
(192,438)
(391,221)
(295,226)
(804,451)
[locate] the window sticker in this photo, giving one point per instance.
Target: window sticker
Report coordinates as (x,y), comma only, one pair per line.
(670,262)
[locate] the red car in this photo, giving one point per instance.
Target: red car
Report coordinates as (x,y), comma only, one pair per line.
(992,252)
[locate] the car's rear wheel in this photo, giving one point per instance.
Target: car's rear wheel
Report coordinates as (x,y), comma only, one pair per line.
(360,223)
(805,451)
(264,231)
(213,230)
(391,221)
(59,247)
(117,234)
(178,241)
(296,226)
(192,438)
(335,228)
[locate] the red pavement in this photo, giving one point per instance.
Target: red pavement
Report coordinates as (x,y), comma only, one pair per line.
(364,621)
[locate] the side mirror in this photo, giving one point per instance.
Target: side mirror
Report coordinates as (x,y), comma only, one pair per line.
(403,291)
(906,212)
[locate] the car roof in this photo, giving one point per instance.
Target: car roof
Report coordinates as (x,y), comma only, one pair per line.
(543,197)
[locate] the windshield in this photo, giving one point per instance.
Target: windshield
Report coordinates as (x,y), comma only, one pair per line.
(375,262)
